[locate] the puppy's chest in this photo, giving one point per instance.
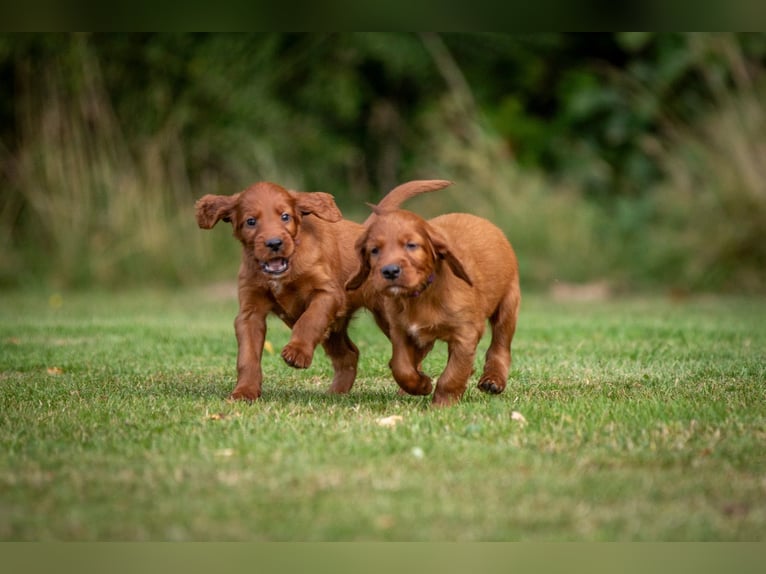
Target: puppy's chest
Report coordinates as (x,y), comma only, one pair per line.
(422,334)
(289,302)
(423,328)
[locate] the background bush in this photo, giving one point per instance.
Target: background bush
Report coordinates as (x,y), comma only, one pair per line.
(632,158)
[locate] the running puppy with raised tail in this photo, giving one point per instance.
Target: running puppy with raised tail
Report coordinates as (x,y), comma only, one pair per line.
(441,279)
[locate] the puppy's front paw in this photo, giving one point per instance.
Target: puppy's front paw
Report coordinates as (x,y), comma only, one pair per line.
(297,355)
(445,399)
(416,386)
(248,394)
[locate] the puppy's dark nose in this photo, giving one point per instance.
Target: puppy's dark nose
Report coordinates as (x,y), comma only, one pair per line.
(275,243)
(391,272)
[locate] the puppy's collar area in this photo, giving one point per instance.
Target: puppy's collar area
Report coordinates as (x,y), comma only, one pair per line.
(427,284)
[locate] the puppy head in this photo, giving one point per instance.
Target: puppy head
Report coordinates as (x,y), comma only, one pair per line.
(400,253)
(266,219)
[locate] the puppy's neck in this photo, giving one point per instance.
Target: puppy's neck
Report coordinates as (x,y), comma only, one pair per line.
(275,286)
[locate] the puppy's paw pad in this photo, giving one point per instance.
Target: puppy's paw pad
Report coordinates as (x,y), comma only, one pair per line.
(296,356)
(490,386)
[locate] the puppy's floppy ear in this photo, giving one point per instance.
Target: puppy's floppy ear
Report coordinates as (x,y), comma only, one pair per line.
(442,251)
(317,203)
(364,271)
(212,208)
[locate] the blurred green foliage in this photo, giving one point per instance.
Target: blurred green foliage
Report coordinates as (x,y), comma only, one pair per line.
(602,118)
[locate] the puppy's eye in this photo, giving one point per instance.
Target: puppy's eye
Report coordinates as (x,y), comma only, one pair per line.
(250,222)
(286,217)
(411,246)
(374,251)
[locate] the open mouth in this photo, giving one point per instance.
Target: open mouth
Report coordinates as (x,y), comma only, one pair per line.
(275,266)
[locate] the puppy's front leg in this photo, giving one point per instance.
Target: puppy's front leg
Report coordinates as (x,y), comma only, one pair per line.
(250,327)
(310,328)
(453,381)
(405,360)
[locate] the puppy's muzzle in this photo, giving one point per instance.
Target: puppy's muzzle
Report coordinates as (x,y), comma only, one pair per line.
(277,265)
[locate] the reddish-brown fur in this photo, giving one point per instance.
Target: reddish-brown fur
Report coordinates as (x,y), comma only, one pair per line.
(441,280)
(297,254)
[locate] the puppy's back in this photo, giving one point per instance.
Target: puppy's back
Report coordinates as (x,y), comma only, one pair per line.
(484,251)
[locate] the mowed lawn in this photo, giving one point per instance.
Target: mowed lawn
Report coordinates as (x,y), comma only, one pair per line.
(634,419)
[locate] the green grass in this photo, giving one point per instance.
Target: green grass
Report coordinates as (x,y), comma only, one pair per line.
(645,420)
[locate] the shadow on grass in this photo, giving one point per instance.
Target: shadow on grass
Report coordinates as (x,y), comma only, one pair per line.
(380,399)
(375,395)
(383,398)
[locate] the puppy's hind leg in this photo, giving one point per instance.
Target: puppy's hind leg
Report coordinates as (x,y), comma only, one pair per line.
(498,359)
(344,356)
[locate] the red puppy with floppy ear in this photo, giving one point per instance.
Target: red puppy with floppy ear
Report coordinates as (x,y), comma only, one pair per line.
(297,254)
(290,260)
(441,280)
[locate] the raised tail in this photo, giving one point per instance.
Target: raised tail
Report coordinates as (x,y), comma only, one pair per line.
(401,193)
